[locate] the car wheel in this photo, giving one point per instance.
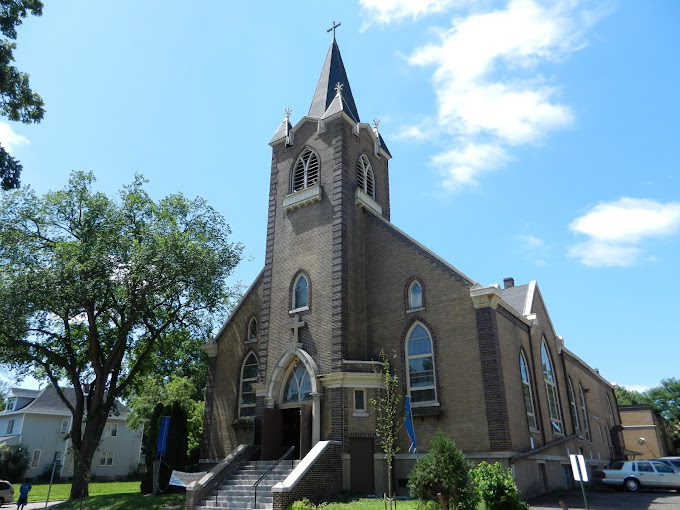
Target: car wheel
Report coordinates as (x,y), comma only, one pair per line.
(632,485)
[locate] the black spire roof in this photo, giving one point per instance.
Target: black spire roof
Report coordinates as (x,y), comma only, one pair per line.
(333,72)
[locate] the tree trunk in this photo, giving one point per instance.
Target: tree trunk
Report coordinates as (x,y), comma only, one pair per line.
(83,453)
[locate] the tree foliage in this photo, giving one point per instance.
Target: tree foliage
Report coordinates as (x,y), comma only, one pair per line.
(13,462)
(93,289)
(444,469)
(666,399)
(495,487)
(626,397)
(17,101)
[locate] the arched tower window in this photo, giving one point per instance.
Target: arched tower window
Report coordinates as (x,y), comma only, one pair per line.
(551,391)
(365,177)
(306,171)
(415,296)
(298,386)
(420,365)
(252,329)
(300,296)
(584,412)
(573,408)
(246,403)
(528,394)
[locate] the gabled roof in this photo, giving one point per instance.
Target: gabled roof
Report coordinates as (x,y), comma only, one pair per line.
(517,298)
(333,72)
(48,402)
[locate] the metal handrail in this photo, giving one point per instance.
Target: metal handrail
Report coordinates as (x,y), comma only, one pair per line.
(255,485)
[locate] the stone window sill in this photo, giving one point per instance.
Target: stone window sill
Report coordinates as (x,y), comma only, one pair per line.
(303,197)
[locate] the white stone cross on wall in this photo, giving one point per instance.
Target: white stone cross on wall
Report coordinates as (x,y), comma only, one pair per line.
(296,328)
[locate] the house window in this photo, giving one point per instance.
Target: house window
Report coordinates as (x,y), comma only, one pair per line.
(359,400)
(11,403)
(420,365)
(365,177)
(584,412)
(551,391)
(528,394)
(298,387)
(246,406)
(300,293)
(58,457)
(573,408)
(415,296)
(111,430)
(35,459)
(252,329)
(64,427)
(306,172)
(106,458)
(10,426)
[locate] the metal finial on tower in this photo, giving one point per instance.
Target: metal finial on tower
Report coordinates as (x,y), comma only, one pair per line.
(376,122)
(333,28)
(338,89)
(288,112)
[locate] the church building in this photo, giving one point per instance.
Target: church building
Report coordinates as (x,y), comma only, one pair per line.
(295,364)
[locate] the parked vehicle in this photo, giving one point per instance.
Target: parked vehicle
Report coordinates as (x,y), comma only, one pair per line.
(673,462)
(6,492)
(633,475)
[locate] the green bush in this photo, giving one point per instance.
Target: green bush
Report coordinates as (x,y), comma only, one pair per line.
(495,487)
(14,463)
(443,470)
(303,504)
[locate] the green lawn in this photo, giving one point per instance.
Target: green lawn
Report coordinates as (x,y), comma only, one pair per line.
(371,504)
(62,490)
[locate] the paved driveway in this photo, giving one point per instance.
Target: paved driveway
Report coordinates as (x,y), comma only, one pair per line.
(605,499)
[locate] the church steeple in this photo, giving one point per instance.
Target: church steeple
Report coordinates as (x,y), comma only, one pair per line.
(333,72)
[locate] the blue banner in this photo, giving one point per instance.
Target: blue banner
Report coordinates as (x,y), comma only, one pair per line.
(163,436)
(409,425)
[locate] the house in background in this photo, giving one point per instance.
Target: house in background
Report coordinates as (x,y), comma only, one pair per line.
(646,431)
(39,420)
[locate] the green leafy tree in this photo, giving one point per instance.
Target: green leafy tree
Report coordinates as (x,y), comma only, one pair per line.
(13,462)
(626,397)
(666,399)
(389,421)
(150,440)
(17,101)
(443,470)
(495,487)
(91,288)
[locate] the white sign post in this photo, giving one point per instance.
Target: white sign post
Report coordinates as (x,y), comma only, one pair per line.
(578,467)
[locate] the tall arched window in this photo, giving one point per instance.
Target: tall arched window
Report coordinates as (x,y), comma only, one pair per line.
(420,365)
(300,296)
(528,394)
(246,406)
(415,296)
(252,329)
(584,411)
(298,386)
(573,408)
(611,413)
(365,177)
(551,391)
(306,171)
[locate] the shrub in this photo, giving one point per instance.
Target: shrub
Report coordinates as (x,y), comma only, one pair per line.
(14,463)
(443,470)
(496,488)
(303,504)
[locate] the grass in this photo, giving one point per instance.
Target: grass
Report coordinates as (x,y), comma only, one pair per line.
(124,502)
(371,504)
(62,490)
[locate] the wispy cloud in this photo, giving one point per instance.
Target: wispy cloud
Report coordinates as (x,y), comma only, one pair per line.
(617,230)
(534,248)
(491,94)
(9,139)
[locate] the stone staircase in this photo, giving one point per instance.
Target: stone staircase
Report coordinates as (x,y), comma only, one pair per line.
(237,491)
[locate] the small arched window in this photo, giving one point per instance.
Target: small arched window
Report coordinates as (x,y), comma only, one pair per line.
(415,296)
(252,329)
(420,365)
(584,412)
(246,406)
(528,394)
(551,391)
(298,387)
(573,408)
(300,292)
(306,171)
(365,177)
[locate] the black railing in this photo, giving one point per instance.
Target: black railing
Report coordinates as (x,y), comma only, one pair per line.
(283,457)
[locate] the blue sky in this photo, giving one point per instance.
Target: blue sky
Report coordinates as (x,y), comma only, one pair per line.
(531,139)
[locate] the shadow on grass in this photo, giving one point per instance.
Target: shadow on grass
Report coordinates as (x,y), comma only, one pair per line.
(124,502)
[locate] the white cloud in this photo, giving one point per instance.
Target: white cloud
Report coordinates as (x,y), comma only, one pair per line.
(461,167)
(9,139)
(388,11)
(617,229)
(418,132)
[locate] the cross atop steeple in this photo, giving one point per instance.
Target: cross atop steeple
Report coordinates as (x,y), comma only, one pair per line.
(333,28)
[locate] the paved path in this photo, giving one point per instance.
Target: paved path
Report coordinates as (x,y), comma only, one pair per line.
(605,499)
(34,505)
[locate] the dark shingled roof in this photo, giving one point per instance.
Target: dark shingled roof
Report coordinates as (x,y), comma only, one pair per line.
(49,402)
(516,297)
(284,128)
(333,72)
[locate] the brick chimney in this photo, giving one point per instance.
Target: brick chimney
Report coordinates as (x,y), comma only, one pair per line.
(508,282)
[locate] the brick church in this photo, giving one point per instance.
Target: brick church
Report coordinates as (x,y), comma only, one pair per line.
(295,363)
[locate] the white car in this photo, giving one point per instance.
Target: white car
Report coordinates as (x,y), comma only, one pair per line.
(673,462)
(6,492)
(633,475)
